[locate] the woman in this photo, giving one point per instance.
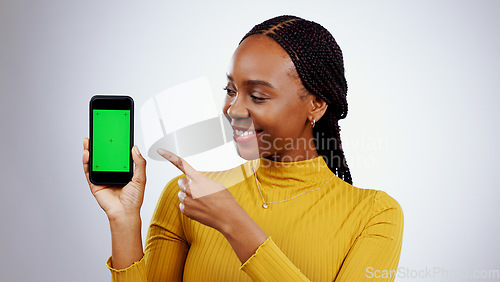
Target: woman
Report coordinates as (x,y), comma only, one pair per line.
(290,213)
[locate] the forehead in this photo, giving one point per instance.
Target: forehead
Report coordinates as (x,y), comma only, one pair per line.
(260,57)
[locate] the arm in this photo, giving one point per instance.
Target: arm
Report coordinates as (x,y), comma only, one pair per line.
(126,250)
(126,241)
(243,234)
(122,206)
(166,246)
(210,203)
(269,263)
(375,253)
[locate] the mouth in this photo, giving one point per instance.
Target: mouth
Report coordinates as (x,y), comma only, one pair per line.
(244,136)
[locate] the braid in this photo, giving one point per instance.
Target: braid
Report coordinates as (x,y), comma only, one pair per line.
(319,62)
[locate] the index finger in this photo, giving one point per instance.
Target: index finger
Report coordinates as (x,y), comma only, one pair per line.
(179,162)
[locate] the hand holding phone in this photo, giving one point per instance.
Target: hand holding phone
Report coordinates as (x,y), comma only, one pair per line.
(118,200)
(109,155)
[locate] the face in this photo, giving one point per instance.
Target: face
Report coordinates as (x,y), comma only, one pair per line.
(267,105)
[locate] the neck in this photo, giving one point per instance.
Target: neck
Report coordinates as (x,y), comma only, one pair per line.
(304,174)
(307,155)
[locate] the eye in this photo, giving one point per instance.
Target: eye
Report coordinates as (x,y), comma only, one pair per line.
(230,92)
(257,99)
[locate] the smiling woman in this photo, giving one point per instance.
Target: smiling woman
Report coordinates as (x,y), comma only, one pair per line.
(294,215)
(265,95)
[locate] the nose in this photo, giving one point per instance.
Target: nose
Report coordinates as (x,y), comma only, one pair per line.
(237,109)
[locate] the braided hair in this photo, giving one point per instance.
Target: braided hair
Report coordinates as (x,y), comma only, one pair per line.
(318,60)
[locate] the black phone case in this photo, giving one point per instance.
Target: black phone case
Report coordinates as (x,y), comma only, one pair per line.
(110,102)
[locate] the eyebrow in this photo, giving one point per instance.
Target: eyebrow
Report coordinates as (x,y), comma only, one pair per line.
(254,82)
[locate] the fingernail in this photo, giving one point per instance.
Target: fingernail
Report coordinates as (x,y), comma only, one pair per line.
(181,196)
(161,151)
(181,185)
(181,207)
(137,150)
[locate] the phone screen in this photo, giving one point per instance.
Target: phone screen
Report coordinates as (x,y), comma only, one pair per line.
(111,140)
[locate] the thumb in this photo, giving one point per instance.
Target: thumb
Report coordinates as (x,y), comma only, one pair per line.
(140,167)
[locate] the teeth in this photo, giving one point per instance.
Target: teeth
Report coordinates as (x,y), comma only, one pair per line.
(243,133)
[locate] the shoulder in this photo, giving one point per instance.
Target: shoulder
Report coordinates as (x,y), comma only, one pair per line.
(370,203)
(379,215)
(382,201)
(377,199)
(386,212)
(170,190)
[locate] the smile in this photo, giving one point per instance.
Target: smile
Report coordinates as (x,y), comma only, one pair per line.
(244,136)
(244,133)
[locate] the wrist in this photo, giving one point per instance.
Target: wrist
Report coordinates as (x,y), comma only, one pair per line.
(234,221)
(243,234)
(122,216)
(125,222)
(240,225)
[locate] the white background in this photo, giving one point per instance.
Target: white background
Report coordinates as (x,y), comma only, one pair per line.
(422,122)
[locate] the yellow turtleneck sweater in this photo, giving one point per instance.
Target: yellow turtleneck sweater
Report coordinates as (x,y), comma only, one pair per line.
(335,233)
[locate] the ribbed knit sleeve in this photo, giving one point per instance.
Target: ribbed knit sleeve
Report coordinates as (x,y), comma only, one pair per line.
(375,252)
(135,272)
(269,263)
(166,247)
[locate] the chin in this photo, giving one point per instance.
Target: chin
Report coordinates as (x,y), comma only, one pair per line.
(247,151)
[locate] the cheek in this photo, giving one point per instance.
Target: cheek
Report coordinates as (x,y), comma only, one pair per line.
(288,115)
(282,121)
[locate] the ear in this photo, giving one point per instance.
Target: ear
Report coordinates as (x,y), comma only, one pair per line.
(317,108)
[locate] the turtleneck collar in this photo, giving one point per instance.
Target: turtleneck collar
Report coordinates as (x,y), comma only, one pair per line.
(304,174)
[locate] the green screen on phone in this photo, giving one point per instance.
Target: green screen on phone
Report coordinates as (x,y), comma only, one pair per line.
(111,140)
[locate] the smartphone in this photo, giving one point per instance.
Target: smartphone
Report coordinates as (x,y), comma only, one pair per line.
(111,139)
